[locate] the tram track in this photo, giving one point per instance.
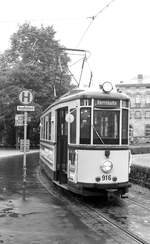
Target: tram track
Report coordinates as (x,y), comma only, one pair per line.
(143,206)
(90,215)
(139,196)
(134,237)
(100,215)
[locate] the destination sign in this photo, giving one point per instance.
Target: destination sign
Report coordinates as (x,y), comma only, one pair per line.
(106,103)
(125,103)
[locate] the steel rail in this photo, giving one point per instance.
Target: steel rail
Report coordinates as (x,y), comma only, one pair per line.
(127,232)
(84,207)
(137,203)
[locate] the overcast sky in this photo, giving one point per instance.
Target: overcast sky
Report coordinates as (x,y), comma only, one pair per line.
(118,38)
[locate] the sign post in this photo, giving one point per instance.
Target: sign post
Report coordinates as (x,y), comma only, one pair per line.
(25,98)
(24,155)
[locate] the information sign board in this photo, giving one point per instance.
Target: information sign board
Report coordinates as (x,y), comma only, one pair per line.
(22,145)
(19,118)
(25,108)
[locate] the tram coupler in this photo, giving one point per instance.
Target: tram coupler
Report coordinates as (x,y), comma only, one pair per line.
(111,195)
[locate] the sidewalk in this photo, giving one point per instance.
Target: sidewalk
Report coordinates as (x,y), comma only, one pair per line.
(40,217)
(14,152)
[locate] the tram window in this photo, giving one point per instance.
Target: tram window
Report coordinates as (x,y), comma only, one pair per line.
(124,126)
(42,128)
(63,123)
(85,126)
(106,127)
(73,127)
(85,102)
(44,134)
(49,126)
(46,127)
(125,103)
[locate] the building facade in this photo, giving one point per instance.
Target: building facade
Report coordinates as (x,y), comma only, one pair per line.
(138,89)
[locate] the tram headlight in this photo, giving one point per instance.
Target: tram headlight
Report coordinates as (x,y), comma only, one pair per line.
(107,166)
(107,87)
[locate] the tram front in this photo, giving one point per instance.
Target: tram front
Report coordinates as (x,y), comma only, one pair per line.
(100,161)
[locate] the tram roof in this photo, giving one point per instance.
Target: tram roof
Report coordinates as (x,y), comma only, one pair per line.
(91,93)
(87,94)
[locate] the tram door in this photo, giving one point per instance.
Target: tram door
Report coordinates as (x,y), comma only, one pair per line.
(62,142)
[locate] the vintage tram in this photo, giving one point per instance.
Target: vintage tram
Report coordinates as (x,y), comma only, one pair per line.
(84,140)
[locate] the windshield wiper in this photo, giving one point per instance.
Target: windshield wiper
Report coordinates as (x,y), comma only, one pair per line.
(98,135)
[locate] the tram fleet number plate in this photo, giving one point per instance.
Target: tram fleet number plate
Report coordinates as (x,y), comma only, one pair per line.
(106,177)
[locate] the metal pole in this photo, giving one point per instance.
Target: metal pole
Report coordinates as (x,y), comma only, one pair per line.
(82,70)
(24,155)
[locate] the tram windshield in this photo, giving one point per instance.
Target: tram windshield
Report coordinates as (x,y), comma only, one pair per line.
(106,127)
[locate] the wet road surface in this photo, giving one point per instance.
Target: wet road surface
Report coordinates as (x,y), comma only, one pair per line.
(44,218)
(40,218)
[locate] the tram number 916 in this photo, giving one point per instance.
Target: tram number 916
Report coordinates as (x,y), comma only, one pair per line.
(106,177)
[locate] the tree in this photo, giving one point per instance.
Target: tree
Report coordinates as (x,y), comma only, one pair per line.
(34,61)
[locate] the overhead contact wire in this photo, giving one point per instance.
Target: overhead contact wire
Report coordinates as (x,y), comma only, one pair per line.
(92,20)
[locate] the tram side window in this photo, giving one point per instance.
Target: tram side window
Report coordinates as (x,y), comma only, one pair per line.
(46,127)
(44,134)
(42,128)
(49,137)
(85,126)
(124,126)
(73,127)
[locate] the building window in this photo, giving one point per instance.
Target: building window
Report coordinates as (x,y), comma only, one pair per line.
(138,101)
(131,114)
(147,100)
(147,130)
(147,114)
(132,102)
(137,115)
(131,133)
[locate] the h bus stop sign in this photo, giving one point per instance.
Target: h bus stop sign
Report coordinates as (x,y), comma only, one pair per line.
(26,97)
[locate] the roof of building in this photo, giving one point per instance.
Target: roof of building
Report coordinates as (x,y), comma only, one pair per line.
(138,81)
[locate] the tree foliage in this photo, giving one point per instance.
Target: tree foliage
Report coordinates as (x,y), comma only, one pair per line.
(35,61)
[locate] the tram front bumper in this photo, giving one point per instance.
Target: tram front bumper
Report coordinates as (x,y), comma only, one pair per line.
(92,186)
